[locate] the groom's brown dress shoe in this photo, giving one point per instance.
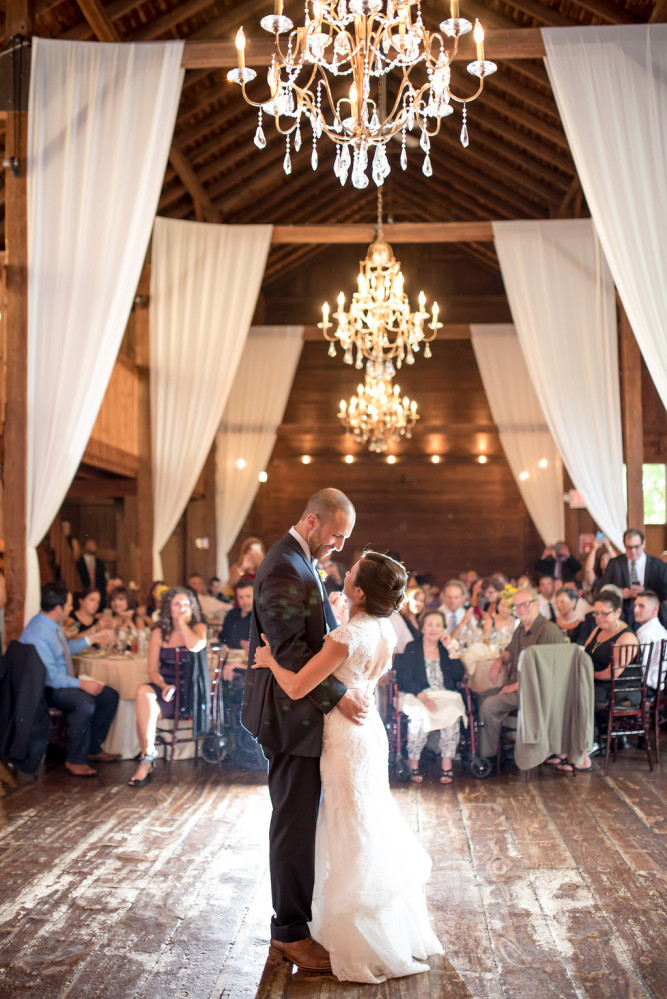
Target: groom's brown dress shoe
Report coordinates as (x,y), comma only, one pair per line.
(306,954)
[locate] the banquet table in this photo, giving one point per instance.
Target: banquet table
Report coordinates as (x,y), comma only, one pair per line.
(124,673)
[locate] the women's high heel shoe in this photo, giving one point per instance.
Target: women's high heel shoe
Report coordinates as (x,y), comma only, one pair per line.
(146,758)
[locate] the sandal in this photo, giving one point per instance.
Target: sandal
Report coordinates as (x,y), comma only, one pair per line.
(146,759)
(416,777)
(569,768)
(555,759)
(446,776)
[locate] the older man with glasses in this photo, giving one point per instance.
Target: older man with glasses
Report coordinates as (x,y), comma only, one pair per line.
(533,630)
(634,572)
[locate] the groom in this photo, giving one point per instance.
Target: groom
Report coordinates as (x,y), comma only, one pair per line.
(290,607)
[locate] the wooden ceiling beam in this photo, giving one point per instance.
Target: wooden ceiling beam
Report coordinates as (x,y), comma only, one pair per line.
(396,232)
(499,44)
(104,31)
(230,21)
(534,124)
(550,17)
(609,12)
(179,13)
(659,12)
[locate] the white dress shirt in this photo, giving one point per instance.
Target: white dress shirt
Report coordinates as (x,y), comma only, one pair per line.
(654,632)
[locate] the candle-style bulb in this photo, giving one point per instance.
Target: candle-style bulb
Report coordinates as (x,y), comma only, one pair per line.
(478,35)
(240,47)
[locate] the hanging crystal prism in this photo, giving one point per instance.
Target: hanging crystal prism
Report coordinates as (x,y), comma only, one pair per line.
(260,138)
(345,160)
(378,166)
(464,129)
(404,153)
(297,139)
(427,169)
(342,10)
(425,141)
(332,350)
(427,350)
(313,157)
(287,162)
(336,167)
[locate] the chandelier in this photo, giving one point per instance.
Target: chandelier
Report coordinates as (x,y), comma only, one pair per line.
(379,325)
(377,414)
(362,41)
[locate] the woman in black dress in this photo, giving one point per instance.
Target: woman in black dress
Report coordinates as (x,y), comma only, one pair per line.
(180,637)
(612,645)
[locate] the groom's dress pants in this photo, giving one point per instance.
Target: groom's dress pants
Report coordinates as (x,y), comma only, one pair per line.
(295,788)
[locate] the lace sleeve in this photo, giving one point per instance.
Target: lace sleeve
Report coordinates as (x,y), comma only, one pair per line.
(346,634)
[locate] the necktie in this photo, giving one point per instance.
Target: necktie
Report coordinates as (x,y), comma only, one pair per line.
(452,622)
(68,658)
(634,575)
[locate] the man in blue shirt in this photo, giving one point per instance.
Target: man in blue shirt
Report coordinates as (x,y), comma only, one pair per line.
(90,705)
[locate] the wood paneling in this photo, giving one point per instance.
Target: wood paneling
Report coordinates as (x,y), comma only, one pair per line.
(114,442)
(441,518)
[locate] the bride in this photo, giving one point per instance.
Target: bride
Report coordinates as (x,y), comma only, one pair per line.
(369,909)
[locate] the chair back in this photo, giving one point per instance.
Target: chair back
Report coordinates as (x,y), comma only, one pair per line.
(623,716)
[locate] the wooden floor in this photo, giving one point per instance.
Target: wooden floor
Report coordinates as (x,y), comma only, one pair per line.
(555,888)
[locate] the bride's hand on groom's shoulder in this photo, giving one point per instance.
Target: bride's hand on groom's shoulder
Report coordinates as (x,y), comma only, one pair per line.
(263,657)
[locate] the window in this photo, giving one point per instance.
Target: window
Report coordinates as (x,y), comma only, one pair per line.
(654,486)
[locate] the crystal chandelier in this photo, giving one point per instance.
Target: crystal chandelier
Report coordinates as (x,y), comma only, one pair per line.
(377,414)
(379,325)
(363,41)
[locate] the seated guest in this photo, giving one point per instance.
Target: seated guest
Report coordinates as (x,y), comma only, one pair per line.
(340,606)
(151,610)
(596,563)
(427,680)
(180,634)
(235,632)
(334,579)
(215,588)
(212,609)
(89,705)
(606,648)
(568,615)
(647,607)
(113,582)
(124,615)
(250,556)
(557,562)
(411,611)
(492,587)
(502,622)
(533,630)
(546,586)
(431,590)
(453,607)
(85,614)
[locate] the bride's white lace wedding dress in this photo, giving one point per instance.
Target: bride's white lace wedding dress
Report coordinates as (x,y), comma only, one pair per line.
(369,909)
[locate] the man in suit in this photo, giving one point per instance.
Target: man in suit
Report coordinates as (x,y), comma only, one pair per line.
(291,609)
(636,571)
(91,569)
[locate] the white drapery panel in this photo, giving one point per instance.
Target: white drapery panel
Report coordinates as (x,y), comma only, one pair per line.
(249,426)
(610,84)
(524,434)
(562,299)
(205,280)
(100,122)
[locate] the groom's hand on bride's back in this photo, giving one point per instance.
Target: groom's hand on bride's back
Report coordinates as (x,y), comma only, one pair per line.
(355,705)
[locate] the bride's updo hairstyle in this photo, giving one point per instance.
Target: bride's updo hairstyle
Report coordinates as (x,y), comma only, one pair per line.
(383,581)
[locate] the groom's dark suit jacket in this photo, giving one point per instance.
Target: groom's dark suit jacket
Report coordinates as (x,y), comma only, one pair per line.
(288,609)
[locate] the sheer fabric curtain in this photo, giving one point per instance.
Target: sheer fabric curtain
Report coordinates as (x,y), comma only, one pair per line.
(249,426)
(205,280)
(562,299)
(524,434)
(610,84)
(100,121)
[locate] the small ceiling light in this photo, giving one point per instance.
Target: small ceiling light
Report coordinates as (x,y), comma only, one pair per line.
(306,459)
(435,458)
(349,458)
(543,463)
(524,475)
(482,459)
(262,477)
(240,462)
(391,459)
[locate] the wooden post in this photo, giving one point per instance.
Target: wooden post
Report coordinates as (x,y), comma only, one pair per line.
(145,470)
(16,262)
(632,417)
